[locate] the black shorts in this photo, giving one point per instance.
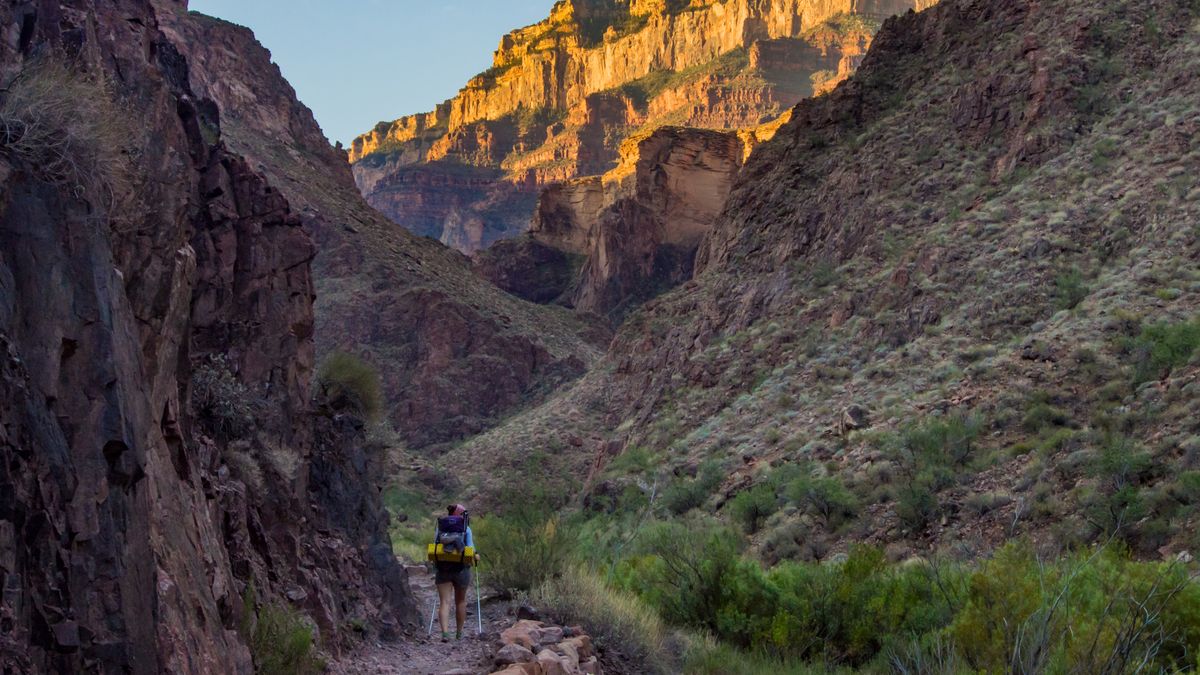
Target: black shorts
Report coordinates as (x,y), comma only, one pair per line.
(453,573)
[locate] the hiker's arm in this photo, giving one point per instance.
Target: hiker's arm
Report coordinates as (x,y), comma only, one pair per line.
(471,543)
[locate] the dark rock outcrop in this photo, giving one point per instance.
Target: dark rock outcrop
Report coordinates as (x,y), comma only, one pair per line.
(135,510)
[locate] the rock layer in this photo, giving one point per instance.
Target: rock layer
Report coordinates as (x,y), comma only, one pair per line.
(563,94)
(135,509)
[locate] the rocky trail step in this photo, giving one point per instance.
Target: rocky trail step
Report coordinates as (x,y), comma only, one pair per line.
(510,643)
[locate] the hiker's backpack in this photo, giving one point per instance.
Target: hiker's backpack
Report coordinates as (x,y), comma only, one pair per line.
(451,542)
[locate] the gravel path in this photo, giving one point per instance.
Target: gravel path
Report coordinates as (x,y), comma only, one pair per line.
(425,655)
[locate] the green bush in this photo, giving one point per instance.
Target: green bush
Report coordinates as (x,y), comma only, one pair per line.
(1017,612)
(1103,613)
(225,406)
(686,571)
(280,638)
(1119,468)
(1070,289)
(523,548)
(939,442)
(349,381)
(1162,347)
(684,495)
(750,508)
(826,498)
(1042,414)
(916,504)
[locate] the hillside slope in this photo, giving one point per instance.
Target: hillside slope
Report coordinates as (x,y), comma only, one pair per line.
(455,353)
(563,94)
(989,234)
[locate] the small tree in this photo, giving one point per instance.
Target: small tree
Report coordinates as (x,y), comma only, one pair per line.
(348,381)
(752,507)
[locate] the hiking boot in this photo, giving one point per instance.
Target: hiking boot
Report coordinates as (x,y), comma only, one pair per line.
(458,635)
(445,636)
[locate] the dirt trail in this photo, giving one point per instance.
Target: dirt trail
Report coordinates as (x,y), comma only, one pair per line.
(428,655)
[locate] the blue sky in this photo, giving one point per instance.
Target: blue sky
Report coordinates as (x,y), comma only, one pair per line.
(356,62)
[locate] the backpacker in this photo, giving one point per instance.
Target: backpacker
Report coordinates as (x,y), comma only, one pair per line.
(450,545)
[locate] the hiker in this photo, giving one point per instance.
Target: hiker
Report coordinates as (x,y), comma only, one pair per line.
(454,575)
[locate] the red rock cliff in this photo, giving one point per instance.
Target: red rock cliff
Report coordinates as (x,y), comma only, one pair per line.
(135,507)
(563,94)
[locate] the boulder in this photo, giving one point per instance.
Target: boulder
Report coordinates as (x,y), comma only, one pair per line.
(513,653)
(582,646)
(554,664)
(522,669)
(524,633)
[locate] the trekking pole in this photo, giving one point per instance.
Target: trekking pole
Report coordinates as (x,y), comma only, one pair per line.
(478,604)
(431,615)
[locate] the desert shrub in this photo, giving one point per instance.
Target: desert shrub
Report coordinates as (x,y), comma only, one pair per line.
(280,638)
(618,621)
(684,571)
(349,381)
(1162,347)
(635,460)
(245,468)
(709,657)
(1070,289)
(929,455)
(1041,414)
(1186,488)
(67,126)
(916,503)
(1097,613)
(982,503)
(684,495)
(224,405)
(926,655)
(824,497)
(750,508)
(522,548)
(941,442)
(1120,468)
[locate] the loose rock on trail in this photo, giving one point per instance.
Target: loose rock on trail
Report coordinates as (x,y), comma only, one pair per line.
(512,642)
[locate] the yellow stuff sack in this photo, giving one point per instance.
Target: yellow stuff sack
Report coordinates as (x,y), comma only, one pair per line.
(435,553)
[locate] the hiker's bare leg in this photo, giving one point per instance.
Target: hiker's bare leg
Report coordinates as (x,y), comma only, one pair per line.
(460,607)
(445,592)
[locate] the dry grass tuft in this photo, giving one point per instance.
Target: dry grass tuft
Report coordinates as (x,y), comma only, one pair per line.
(616,620)
(69,128)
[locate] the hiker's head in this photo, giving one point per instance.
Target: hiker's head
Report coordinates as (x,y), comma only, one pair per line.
(456,510)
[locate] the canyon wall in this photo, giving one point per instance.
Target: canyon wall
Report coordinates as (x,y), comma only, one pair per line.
(634,230)
(563,94)
(455,353)
(159,452)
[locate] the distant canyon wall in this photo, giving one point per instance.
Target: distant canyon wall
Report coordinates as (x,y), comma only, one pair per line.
(564,94)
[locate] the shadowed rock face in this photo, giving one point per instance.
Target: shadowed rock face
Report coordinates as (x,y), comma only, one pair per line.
(564,94)
(130,522)
(633,231)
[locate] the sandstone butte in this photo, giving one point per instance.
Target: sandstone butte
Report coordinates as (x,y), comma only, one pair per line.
(564,94)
